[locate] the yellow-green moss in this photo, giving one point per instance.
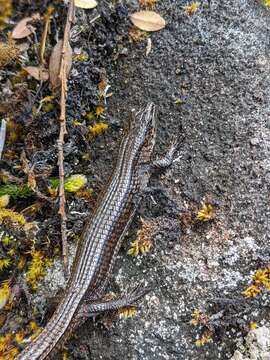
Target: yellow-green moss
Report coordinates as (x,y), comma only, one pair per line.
(144,242)
(37,268)
(267,3)
(206,213)
(198,318)
(192,8)
(98,128)
(260,282)
(80,57)
(8,342)
(11,215)
(252,291)
(5,12)
(253,325)
(129,311)
(5,263)
(4,294)
(99,110)
(75,183)
(204,339)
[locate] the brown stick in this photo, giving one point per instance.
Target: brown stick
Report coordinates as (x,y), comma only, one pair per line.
(62,132)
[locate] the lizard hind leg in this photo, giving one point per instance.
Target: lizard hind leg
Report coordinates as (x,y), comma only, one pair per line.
(89,309)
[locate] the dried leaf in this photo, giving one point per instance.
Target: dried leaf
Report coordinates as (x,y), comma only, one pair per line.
(37,72)
(86,4)
(55,62)
(148,20)
(23,29)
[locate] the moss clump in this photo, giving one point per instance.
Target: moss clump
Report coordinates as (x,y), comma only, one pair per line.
(204,339)
(199,318)
(144,242)
(192,8)
(10,343)
(5,263)
(8,53)
(5,12)
(267,3)
(5,292)
(129,311)
(206,213)
(260,282)
(11,215)
(81,57)
(37,268)
(97,129)
(86,194)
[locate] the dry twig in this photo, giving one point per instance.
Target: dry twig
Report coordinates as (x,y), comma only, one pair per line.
(63,131)
(47,20)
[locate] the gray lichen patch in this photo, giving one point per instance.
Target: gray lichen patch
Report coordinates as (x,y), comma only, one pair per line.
(256,345)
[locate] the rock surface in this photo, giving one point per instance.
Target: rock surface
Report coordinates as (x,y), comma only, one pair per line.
(217,64)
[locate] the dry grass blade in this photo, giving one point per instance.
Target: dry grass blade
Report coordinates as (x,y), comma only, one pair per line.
(55,62)
(148,47)
(2,136)
(86,4)
(47,20)
(148,20)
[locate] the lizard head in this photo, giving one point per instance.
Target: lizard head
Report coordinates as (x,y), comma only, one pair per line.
(143,133)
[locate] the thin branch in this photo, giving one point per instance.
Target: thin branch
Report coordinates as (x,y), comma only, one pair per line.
(2,136)
(63,131)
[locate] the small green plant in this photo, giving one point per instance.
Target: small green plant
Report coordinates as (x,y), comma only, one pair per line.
(72,184)
(16,191)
